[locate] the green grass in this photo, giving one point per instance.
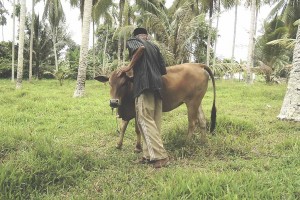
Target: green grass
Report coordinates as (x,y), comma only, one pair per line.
(53,146)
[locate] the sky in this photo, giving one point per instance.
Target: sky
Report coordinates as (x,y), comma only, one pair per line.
(225,31)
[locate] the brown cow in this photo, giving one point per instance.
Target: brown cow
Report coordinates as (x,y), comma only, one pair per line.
(185,83)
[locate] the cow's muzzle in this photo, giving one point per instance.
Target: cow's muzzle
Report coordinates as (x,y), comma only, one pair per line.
(114,103)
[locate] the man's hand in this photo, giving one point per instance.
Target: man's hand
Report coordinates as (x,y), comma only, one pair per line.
(136,56)
(123,70)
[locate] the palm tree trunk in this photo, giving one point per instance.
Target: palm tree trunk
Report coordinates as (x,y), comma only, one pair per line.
(94,52)
(104,52)
(215,47)
(54,34)
(251,41)
(21,44)
(31,40)
(217,27)
(290,109)
(81,77)
(119,51)
(2,33)
(121,8)
(208,42)
(234,30)
(13,45)
(124,50)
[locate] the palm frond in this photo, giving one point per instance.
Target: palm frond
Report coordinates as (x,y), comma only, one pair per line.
(124,31)
(100,8)
(297,23)
(284,42)
(152,8)
(168,55)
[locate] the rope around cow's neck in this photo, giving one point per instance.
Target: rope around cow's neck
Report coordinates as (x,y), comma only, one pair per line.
(117,124)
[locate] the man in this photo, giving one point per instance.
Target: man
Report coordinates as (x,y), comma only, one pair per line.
(148,67)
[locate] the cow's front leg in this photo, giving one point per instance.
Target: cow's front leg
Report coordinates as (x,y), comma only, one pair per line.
(122,132)
(138,146)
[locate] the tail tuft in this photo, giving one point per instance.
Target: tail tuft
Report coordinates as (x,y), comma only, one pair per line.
(213,118)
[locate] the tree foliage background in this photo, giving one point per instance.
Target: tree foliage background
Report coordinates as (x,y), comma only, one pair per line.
(180,31)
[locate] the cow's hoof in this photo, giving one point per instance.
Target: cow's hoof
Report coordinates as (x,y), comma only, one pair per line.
(119,146)
(137,150)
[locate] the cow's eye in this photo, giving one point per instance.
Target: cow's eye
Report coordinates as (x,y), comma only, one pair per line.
(123,83)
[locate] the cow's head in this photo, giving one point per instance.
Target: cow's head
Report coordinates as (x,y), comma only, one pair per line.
(119,87)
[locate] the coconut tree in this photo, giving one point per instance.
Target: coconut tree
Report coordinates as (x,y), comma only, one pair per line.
(211,7)
(121,10)
(13,45)
(3,20)
(290,109)
(180,36)
(54,12)
(234,29)
(226,4)
(31,37)
(274,56)
(287,11)
(254,8)
(81,77)
(251,40)
(21,45)
(100,10)
(208,47)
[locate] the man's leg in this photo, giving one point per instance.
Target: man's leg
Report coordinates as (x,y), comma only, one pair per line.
(144,147)
(145,105)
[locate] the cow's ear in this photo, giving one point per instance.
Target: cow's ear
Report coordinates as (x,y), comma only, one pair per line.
(102,78)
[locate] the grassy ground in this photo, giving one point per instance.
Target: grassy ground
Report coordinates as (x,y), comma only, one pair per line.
(53,146)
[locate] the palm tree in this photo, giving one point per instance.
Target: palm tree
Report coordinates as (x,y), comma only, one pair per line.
(275,56)
(3,20)
(288,11)
(234,29)
(251,40)
(31,37)
(227,4)
(179,36)
(13,45)
(54,13)
(81,77)
(100,10)
(208,47)
(21,44)
(121,10)
(290,109)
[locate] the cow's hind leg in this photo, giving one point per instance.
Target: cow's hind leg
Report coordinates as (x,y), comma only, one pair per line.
(122,132)
(202,124)
(192,117)
(201,119)
(138,146)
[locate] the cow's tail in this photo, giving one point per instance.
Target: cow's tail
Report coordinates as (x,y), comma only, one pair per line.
(213,116)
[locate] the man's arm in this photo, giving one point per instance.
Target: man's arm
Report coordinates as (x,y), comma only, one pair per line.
(136,56)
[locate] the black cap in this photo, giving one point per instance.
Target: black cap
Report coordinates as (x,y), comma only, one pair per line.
(139,31)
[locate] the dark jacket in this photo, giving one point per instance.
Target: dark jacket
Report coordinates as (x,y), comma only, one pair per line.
(148,69)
